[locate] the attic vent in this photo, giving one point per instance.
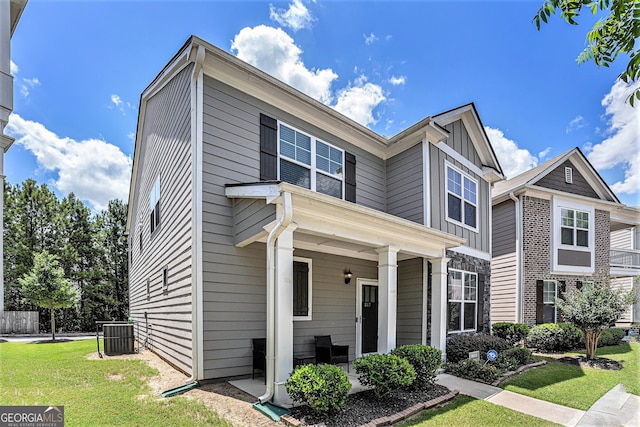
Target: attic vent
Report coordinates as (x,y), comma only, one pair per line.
(568,175)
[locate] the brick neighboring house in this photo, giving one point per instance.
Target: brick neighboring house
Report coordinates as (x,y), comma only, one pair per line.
(553,228)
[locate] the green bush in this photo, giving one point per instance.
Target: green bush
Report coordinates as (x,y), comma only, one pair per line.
(554,337)
(384,372)
(323,387)
(459,346)
(425,361)
(513,333)
(521,355)
(506,363)
(611,336)
(473,370)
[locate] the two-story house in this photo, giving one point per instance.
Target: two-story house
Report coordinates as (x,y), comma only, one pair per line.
(554,227)
(257,212)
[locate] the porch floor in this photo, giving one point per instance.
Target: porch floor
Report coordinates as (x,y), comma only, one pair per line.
(256,387)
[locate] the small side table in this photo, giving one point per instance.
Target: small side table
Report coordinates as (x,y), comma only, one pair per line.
(304,359)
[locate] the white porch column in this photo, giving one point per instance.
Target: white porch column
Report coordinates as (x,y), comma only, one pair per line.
(388,297)
(439,304)
(284,314)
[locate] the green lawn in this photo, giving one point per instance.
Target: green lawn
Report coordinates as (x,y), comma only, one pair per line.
(580,387)
(93,392)
(467,411)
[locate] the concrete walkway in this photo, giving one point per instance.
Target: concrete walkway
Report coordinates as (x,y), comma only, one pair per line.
(615,408)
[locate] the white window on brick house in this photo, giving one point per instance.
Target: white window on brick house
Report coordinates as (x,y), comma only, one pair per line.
(462,307)
(573,242)
(546,293)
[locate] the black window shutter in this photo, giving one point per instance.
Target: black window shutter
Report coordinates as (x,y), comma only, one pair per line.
(350,177)
(480,294)
(268,148)
(579,285)
(539,302)
(300,288)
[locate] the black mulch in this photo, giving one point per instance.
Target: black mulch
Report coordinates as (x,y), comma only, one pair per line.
(56,341)
(364,407)
(598,362)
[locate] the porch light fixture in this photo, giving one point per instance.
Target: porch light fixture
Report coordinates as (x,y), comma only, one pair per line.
(347,276)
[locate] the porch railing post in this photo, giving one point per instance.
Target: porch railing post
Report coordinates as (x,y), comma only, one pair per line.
(388,296)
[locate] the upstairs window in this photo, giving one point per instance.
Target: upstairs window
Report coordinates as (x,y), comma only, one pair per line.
(462,198)
(574,228)
(154,205)
(310,163)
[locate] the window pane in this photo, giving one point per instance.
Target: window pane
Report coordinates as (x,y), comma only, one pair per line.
(567,236)
(470,191)
(582,219)
(300,288)
(295,174)
(328,185)
(336,155)
(470,215)
(287,149)
(582,238)
(469,315)
(455,208)
(303,141)
(454,280)
(322,164)
(303,155)
(470,287)
(567,217)
(335,168)
(322,149)
(548,292)
(549,313)
(453,314)
(288,135)
(454,182)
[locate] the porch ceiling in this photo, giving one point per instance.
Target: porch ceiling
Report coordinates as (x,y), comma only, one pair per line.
(327,224)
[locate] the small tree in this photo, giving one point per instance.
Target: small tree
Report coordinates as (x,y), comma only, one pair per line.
(593,309)
(46,286)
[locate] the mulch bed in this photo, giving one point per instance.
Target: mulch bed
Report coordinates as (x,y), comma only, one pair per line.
(363,407)
(598,362)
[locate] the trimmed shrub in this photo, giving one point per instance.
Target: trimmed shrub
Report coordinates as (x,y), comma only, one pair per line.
(611,336)
(459,346)
(425,361)
(384,372)
(513,333)
(521,355)
(506,363)
(473,370)
(554,337)
(323,387)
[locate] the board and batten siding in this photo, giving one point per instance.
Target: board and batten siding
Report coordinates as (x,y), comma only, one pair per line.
(405,191)
(409,310)
(166,153)
(504,263)
(234,278)
(460,141)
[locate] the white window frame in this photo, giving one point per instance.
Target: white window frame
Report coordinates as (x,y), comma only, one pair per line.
(463,199)
(553,302)
(556,231)
(155,196)
(462,302)
(309,315)
(312,167)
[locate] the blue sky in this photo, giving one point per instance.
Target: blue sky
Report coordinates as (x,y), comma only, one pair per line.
(80,67)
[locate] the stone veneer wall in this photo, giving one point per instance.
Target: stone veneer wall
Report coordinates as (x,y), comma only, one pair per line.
(537,251)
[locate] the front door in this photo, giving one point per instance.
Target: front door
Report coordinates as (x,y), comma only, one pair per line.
(369,319)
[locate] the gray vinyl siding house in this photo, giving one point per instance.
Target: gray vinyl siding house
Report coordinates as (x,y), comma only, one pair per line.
(554,227)
(238,177)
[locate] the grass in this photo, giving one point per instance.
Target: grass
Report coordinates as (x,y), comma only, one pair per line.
(467,411)
(93,392)
(578,387)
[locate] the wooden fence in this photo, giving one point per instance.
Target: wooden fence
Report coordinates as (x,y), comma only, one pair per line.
(19,322)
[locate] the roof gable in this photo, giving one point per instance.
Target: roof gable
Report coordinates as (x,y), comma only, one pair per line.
(556,179)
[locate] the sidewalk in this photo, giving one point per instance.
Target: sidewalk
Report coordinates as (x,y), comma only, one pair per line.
(615,408)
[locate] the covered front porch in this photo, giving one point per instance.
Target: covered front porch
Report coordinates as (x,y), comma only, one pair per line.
(394,263)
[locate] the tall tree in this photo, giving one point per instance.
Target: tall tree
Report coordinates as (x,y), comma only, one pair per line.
(593,309)
(46,286)
(611,36)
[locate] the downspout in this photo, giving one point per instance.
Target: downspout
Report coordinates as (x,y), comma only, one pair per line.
(282,223)
(518,258)
(196,216)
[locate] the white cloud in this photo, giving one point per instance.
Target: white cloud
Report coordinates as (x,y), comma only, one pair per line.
(514,160)
(274,52)
(358,102)
(396,81)
(544,153)
(369,39)
(296,17)
(92,169)
(577,123)
(116,99)
(28,83)
(622,148)
(14,68)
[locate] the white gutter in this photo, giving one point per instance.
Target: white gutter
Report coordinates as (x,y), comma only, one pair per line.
(282,223)
(196,217)
(518,257)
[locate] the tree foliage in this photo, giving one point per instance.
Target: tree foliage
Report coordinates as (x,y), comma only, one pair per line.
(593,309)
(46,286)
(611,36)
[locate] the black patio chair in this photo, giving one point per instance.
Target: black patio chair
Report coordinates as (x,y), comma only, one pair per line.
(259,357)
(326,352)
